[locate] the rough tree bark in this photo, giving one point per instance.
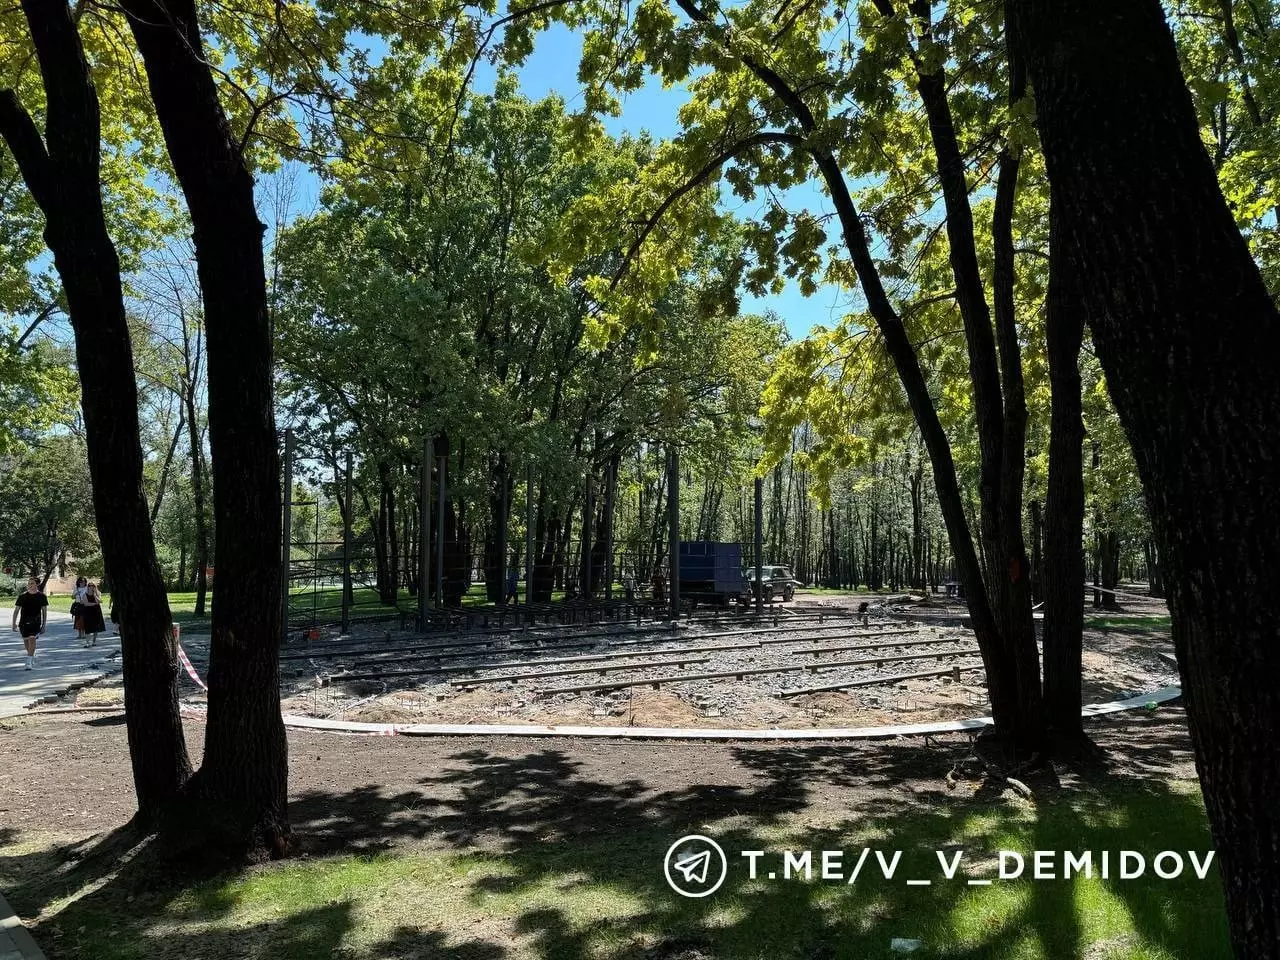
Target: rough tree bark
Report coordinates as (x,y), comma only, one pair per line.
(1187,336)
(1064,504)
(62,173)
(242,782)
(1009,579)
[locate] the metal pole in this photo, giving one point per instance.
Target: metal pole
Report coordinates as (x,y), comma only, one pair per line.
(286,553)
(528,536)
(442,464)
(759,545)
(424,531)
(611,478)
(673,519)
(346,552)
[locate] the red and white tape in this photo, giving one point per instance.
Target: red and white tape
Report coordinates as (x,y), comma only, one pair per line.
(191,671)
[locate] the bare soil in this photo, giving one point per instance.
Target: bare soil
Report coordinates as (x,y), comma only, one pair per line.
(67,775)
(1119,660)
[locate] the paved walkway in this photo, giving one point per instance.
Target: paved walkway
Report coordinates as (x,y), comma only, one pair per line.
(61,662)
(15,942)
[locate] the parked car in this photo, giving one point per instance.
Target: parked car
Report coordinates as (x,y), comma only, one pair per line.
(776,581)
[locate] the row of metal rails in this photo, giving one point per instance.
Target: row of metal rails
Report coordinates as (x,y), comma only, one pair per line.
(625,659)
(571,612)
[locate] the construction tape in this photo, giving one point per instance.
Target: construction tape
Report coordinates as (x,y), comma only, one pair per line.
(191,671)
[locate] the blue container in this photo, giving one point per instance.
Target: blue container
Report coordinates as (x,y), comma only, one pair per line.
(711,569)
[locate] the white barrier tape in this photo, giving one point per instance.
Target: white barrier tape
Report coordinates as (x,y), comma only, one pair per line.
(1088,587)
(191,671)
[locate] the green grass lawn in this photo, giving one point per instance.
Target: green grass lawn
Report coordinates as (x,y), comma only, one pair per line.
(602,895)
(326,602)
(181,605)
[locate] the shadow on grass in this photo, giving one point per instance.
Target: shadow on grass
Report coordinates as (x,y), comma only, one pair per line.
(539,855)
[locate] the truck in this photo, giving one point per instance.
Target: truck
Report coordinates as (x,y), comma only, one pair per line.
(711,572)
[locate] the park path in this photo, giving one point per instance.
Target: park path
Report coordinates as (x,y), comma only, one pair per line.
(61,662)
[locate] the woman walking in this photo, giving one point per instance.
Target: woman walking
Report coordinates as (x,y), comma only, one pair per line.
(91,615)
(29,616)
(77,601)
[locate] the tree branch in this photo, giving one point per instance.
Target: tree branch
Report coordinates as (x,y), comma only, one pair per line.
(25,143)
(700,177)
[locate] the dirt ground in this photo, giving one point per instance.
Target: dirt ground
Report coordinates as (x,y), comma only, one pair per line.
(67,775)
(64,777)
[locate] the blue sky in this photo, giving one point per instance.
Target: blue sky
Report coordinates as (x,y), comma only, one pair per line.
(553,68)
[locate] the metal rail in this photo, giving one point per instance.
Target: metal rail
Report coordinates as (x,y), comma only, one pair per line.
(954,671)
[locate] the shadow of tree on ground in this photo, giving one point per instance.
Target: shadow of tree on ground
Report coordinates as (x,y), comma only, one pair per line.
(536,854)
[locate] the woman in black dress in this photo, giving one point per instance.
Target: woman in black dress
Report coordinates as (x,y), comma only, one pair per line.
(91,615)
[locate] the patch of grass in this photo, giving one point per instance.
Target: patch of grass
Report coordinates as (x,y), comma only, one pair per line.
(602,895)
(181,606)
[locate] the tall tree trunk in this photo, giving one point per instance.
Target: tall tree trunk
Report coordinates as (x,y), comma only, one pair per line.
(63,175)
(1186,333)
(1109,565)
(1037,550)
(917,527)
(243,780)
(386,586)
(1010,578)
(165,467)
(200,559)
(1155,578)
(393,543)
(1064,505)
(495,580)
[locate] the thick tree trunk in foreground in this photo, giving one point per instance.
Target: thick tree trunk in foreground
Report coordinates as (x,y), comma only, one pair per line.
(1186,334)
(63,176)
(242,782)
(1064,571)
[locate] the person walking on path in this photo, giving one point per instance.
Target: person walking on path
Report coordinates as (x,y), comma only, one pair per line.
(77,602)
(91,615)
(29,616)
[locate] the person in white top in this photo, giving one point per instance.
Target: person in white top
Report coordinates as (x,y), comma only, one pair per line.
(77,603)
